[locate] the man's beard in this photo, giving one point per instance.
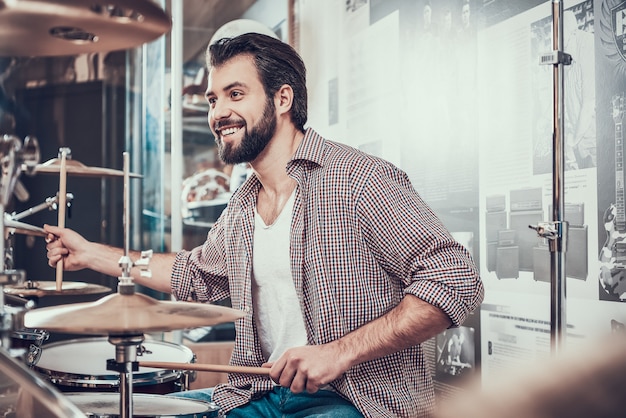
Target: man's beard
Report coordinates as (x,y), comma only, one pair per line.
(253,142)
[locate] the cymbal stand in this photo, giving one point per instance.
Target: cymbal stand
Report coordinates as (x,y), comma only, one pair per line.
(126,345)
(13,156)
(556,231)
(51,203)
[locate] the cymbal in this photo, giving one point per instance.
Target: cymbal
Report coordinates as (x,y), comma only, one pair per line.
(73,167)
(72,27)
(128,314)
(48,288)
(16,227)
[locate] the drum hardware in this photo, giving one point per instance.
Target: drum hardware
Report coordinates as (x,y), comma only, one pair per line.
(31,341)
(14,157)
(51,203)
(73,27)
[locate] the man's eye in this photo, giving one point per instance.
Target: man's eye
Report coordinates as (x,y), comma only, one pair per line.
(235,94)
(211,100)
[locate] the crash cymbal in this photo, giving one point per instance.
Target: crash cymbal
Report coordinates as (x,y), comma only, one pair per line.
(16,227)
(72,27)
(48,288)
(136,313)
(73,167)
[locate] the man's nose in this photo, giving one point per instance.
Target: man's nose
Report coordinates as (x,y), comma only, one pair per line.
(220,110)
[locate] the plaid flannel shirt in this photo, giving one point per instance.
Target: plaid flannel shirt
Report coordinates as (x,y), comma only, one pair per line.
(361,238)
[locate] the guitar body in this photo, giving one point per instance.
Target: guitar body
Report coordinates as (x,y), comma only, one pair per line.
(613,257)
(613,254)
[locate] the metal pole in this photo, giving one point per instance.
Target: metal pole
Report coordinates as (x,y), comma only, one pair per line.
(558,246)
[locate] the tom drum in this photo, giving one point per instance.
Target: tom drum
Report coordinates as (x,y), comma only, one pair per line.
(81,365)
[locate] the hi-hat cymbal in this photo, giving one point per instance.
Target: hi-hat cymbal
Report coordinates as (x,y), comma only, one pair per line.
(73,167)
(119,314)
(72,27)
(16,227)
(48,288)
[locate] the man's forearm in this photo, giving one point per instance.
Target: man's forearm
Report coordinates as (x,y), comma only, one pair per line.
(410,323)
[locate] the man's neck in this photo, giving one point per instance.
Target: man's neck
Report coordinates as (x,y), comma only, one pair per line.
(269,166)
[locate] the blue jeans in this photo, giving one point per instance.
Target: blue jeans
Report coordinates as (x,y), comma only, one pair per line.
(281,403)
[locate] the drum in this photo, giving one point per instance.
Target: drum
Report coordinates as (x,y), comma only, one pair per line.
(101,405)
(80,365)
(30,341)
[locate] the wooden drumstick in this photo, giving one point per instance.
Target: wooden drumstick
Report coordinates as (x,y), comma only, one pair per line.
(205,367)
(61,209)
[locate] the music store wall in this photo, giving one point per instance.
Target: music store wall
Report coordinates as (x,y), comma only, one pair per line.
(454,93)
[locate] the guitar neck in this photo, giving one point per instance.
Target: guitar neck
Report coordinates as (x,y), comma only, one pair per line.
(620,218)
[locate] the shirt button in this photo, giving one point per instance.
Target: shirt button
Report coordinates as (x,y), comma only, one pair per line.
(249,353)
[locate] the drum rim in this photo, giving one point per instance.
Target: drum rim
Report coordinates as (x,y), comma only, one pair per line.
(210,407)
(83,380)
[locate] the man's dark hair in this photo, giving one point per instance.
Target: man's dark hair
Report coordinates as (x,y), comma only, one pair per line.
(277,64)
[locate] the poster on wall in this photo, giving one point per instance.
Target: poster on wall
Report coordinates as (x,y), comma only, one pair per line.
(611,68)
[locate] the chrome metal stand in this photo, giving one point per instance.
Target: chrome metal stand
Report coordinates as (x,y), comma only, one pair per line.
(556,231)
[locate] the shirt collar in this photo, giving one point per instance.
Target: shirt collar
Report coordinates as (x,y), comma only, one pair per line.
(311,149)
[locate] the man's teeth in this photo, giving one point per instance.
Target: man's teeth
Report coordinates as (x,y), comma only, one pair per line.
(229,131)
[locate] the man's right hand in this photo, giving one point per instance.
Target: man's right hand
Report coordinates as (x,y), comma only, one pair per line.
(68,245)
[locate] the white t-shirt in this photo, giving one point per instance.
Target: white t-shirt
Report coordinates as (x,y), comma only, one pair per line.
(277,311)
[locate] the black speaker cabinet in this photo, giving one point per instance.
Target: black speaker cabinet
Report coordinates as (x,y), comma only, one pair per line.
(576,265)
(507,262)
(526,199)
(495,222)
(527,238)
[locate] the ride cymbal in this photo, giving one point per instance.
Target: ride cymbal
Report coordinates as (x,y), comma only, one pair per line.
(76,168)
(72,27)
(120,314)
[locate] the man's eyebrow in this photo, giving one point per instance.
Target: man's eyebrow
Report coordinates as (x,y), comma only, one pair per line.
(227,88)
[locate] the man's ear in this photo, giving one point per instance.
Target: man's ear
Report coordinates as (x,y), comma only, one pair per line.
(283,99)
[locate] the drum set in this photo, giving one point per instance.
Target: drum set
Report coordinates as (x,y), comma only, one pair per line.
(95,376)
(98,375)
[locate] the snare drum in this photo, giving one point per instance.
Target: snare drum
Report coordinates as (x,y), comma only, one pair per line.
(80,365)
(98,405)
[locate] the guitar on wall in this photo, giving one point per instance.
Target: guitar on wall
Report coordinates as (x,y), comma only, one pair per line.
(613,253)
